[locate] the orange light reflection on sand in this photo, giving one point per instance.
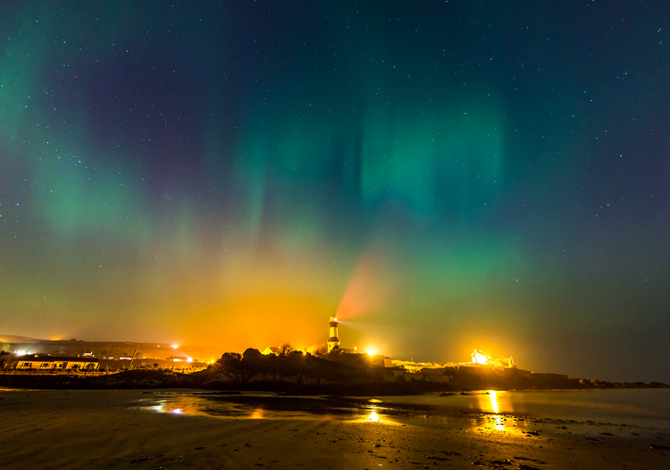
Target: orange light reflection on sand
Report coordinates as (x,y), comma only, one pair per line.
(498,423)
(181,406)
(493,402)
(375,415)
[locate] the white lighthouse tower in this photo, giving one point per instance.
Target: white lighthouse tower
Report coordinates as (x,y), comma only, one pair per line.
(334,338)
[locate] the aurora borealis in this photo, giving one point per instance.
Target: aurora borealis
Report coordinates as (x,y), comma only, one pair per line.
(443,175)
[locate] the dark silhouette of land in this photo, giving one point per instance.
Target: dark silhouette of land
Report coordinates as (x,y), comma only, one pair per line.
(331,374)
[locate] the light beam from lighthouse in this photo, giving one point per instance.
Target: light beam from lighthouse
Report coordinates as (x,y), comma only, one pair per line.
(334,338)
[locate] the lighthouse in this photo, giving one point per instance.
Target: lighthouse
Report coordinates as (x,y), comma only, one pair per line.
(334,338)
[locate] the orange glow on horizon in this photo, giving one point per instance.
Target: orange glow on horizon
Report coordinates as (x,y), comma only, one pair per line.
(256,299)
(260,321)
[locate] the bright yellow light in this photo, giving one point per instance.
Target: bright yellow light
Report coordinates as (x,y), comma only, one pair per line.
(499,424)
(175,346)
(371,351)
(479,358)
(375,415)
(494,401)
(189,359)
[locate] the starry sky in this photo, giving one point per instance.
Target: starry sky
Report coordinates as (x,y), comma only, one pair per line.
(441,175)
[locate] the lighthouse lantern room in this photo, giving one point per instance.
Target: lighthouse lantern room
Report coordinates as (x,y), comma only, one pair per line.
(334,338)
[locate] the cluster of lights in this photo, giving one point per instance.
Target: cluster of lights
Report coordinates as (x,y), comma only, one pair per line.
(188,359)
(479,358)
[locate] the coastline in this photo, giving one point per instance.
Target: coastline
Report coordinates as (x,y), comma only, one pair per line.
(216,378)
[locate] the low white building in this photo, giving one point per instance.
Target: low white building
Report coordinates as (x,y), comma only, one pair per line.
(48,363)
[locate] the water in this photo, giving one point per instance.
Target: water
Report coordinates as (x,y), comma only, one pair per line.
(648,408)
(642,407)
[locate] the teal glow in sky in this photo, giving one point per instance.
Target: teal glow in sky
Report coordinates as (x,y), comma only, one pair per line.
(447,176)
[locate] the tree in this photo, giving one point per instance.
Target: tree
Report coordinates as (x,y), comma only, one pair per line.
(4,356)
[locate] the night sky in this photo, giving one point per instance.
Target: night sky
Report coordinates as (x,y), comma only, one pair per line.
(442,175)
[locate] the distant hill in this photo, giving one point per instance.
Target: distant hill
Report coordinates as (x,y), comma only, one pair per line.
(18,339)
(106,349)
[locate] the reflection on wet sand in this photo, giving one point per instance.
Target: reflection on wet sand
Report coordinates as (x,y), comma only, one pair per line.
(272,407)
(432,431)
(494,400)
(499,426)
(174,407)
(257,413)
(321,408)
(488,402)
(375,414)
(491,403)
(256,407)
(491,413)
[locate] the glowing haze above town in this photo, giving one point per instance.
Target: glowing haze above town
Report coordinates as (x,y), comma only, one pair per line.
(441,176)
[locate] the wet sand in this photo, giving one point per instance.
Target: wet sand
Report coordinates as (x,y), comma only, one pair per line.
(107,429)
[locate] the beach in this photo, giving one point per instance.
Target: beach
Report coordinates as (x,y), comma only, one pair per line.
(143,430)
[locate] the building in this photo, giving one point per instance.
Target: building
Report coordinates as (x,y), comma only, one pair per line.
(54,363)
(481,358)
(271,350)
(334,338)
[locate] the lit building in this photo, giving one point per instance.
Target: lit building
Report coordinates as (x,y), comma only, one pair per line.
(334,338)
(271,350)
(51,363)
(480,358)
